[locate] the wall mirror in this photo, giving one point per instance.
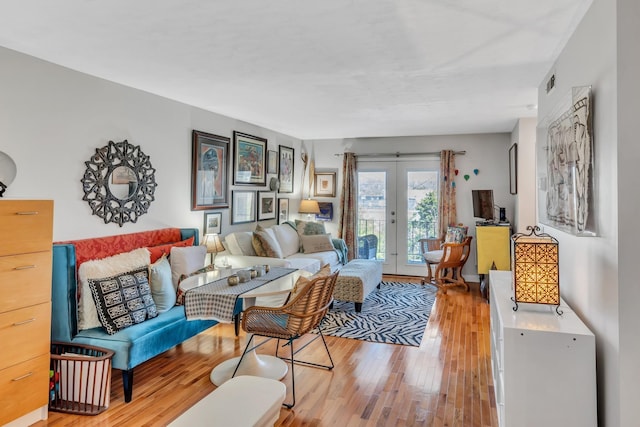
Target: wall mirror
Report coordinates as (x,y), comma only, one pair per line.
(119,182)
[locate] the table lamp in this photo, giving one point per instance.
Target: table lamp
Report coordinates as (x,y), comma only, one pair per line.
(309,206)
(214,245)
(536,277)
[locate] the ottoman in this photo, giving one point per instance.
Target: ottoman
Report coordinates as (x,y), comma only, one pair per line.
(356,280)
(243,401)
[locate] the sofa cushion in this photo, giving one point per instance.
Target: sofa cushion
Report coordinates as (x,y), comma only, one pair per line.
(288,239)
(327,257)
(99,268)
(265,243)
(185,261)
(123,300)
(309,227)
(316,243)
(161,285)
(240,243)
(158,251)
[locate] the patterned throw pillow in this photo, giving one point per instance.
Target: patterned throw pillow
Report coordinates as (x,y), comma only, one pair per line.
(455,234)
(123,300)
(180,292)
(265,243)
(308,227)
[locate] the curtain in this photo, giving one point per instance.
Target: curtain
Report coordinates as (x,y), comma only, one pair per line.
(348,217)
(447,192)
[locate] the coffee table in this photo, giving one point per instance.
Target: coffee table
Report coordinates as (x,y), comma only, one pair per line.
(272,293)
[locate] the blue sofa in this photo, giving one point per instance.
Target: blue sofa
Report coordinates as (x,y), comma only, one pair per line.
(133,345)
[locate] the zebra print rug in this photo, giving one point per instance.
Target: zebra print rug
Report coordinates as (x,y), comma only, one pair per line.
(397,313)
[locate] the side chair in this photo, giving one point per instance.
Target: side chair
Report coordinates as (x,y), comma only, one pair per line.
(302,313)
(449,261)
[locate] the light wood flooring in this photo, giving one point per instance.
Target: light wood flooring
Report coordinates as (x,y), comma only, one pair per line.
(444,382)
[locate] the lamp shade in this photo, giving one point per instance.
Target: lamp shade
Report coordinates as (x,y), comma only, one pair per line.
(309,206)
(213,243)
(536,276)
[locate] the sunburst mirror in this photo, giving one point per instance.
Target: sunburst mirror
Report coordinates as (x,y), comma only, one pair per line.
(119,182)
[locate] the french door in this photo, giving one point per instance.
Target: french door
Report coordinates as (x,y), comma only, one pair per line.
(397,203)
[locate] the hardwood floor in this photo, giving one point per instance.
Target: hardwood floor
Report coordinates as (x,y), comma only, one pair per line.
(444,382)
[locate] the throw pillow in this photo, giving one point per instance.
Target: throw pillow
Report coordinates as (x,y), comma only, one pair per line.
(158,251)
(455,234)
(309,227)
(123,300)
(105,267)
(302,281)
(180,293)
(240,243)
(288,239)
(161,285)
(316,243)
(265,243)
(186,260)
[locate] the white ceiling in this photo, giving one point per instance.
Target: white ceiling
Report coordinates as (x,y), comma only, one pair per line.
(313,69)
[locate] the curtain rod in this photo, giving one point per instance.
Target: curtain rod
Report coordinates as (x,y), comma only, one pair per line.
(398,154)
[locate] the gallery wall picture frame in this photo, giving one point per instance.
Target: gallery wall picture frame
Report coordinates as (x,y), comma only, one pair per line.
(513,169)
(326,211)
(325,184)
(249,159)
(212,223)
(266,205)
(272,162)
(243,206)
(209,171)
(283,210)
(286,157)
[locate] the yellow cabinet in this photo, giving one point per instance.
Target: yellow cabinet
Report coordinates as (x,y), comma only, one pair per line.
(26,227)
(493,246)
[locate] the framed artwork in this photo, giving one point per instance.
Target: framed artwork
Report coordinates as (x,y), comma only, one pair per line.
(286,155)
(272,162)
(325,184)
(212,223)
(326,211)
(513,169)
(565,166)
(243,206)
(283,210)
(209,171)
(249,160)
(266,205)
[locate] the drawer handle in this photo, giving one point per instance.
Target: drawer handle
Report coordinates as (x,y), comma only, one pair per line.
(27,213)
(23,377)
(24,267)
(24,322)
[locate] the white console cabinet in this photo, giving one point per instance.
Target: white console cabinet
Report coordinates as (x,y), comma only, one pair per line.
(544,364)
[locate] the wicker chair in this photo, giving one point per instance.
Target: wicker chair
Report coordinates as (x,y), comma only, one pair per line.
(450,260)
(301,314)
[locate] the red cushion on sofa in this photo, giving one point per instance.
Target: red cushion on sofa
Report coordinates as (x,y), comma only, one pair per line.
(102,247)
(158,251)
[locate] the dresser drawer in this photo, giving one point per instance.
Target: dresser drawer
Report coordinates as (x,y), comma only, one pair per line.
(25,226)
(25,280)
(25,333)
(24,388)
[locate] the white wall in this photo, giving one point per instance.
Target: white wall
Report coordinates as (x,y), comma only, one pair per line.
(52,119)
(628,92)
(524,135)
(589,265)
(486,152)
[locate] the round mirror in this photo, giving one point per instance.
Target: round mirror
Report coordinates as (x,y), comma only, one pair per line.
(119,182)
(122,182)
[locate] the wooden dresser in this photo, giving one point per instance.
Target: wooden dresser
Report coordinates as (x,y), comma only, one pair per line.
(26,227)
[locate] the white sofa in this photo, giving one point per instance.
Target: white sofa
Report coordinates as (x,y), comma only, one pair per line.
(240,251)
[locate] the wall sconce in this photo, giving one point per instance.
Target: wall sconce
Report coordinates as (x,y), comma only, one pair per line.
(214,245)
(309,206)
(536,276)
